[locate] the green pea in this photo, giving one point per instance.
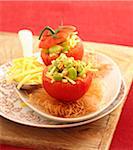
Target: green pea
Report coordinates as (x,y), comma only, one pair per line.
(57,76)
(55,49)
(50,68)
(65,49)
(68,64)
(65,46)
(72,73)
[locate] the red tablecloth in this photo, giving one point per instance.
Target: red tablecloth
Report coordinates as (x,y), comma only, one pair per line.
(108,22)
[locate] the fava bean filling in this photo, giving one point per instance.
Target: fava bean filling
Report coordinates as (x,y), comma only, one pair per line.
(68,70)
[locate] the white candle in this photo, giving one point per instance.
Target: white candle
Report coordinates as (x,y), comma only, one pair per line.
(26,39)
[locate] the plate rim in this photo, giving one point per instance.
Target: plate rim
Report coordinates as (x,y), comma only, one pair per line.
(70,124)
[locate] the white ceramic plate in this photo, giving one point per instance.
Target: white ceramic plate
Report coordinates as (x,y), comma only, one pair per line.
(12,108)
(111,84)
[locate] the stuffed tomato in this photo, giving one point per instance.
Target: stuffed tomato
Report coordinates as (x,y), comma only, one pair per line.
(67,79)
(62,40)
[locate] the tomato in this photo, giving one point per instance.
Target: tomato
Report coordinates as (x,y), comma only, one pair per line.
(49,41)
(66,91)
(46,58)
(56,37)
(76,52)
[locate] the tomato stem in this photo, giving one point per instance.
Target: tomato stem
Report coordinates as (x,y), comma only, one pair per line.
(49,29)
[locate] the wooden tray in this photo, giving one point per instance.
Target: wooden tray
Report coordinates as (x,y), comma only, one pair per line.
(94,136)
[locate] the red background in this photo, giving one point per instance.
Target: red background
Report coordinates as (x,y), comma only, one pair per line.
(108,22)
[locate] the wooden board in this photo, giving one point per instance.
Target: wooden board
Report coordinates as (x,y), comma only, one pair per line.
(94,136)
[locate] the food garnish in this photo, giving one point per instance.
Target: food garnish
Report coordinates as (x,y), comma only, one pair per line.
(25,70)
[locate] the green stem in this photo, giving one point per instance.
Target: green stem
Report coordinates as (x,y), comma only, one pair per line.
(46,28)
